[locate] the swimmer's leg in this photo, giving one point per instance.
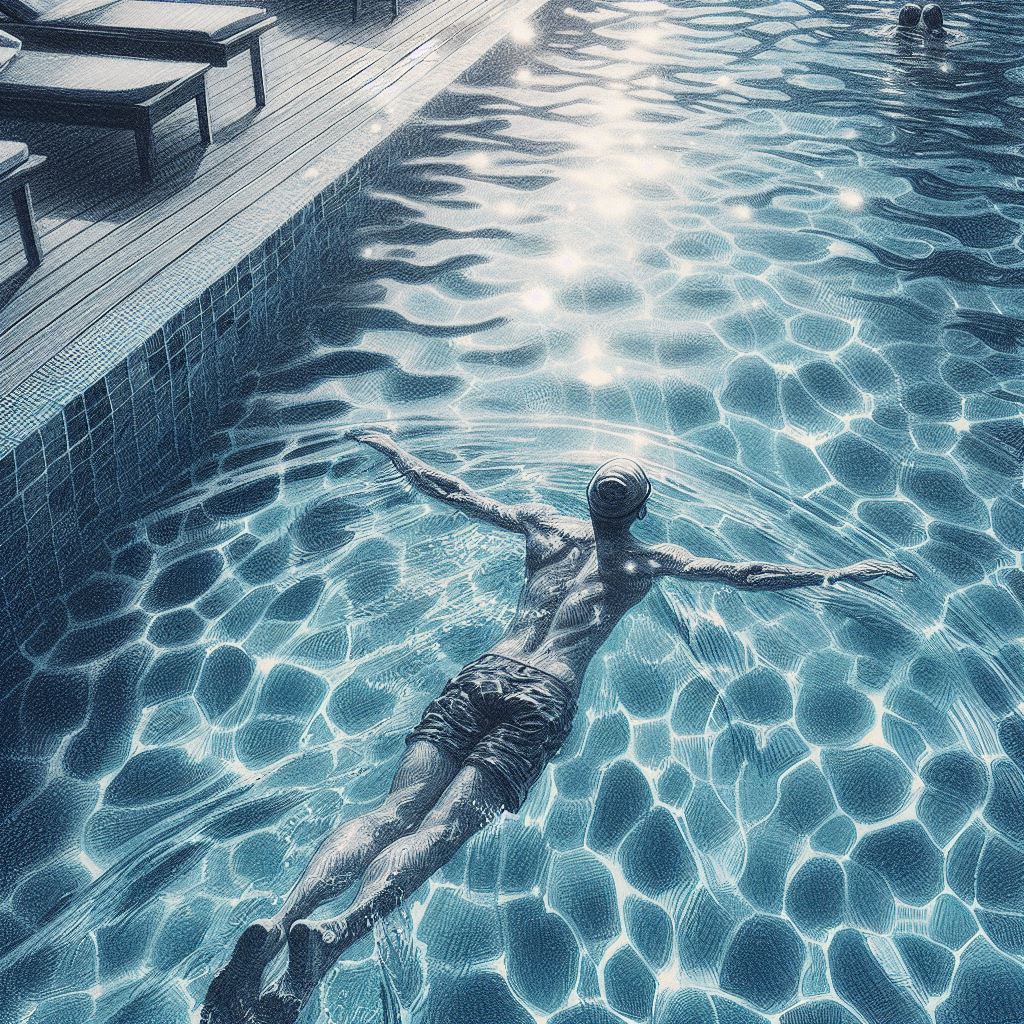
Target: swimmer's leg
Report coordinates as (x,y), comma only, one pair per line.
(470,803)
(422,776)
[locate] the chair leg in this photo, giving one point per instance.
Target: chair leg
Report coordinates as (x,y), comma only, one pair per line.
(27,225)
(355,10)
(144,144)
(259,82)
(203,110)
(394,10)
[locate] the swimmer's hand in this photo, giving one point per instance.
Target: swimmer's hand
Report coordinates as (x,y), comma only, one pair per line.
(871,569)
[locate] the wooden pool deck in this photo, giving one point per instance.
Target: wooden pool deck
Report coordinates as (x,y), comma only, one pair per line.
(106,237)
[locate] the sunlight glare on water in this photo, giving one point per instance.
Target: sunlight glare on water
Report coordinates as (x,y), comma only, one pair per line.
(773,252)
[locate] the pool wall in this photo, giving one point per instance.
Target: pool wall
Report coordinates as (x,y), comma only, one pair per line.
(117,446)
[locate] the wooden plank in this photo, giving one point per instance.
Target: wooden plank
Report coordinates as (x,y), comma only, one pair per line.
(73,219)
(293,109)
(67,301)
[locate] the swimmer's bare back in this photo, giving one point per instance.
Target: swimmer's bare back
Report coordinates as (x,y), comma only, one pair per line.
(583,575)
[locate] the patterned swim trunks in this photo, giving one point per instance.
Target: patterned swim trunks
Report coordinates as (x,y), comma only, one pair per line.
(502,716)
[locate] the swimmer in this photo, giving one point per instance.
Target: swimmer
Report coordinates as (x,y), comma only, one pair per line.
(910,15)
(486,739)
(932,18)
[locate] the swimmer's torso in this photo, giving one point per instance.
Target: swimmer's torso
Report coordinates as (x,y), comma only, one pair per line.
(573,597)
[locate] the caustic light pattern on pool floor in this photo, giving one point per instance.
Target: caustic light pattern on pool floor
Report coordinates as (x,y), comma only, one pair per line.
(772,253)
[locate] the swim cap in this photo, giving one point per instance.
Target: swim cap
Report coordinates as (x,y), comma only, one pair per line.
(932,15)
(618,490)
(910,15)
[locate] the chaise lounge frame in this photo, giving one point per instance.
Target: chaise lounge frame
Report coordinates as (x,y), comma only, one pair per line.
(138,116)
(69,39)
(16,182)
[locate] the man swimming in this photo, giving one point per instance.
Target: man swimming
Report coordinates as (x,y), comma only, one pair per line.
(931,16)
(910,15)
(487,738)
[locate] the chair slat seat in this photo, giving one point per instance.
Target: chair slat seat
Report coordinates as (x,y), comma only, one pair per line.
(152,18)
(91,77)
(104,91)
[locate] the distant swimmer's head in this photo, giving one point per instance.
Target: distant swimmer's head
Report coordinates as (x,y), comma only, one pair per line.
(618,492)
(932,17)
(910,15)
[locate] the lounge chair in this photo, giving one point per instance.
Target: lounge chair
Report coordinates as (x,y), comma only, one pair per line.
(109,92)
(196,32)
(17,165)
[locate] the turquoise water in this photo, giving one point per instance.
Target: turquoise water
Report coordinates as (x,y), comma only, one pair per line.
(773,253)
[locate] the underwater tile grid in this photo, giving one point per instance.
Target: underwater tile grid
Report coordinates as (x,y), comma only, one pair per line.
(773,253)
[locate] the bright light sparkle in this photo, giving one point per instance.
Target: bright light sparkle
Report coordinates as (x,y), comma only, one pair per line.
(536,299)
(851,199)
(590,347)
(567,262)
(595,376)
(522,32)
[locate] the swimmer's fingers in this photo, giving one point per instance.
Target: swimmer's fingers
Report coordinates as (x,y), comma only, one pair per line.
(874,568)
(901,572)
(368,435)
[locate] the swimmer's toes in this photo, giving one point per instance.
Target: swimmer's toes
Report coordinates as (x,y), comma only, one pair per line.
(310,948)
(236,985)
(277,1007)
(303,940)
(259,942)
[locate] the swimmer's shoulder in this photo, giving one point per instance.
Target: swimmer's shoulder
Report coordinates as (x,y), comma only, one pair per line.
(546,518)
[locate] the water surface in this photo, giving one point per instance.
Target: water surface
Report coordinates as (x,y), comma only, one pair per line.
(772,252)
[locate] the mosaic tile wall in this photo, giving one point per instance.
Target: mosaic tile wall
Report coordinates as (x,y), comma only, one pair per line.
(131,434)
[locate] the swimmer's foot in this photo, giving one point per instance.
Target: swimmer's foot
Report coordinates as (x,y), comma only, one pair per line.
(234,989)
(313,949)
(278,1006)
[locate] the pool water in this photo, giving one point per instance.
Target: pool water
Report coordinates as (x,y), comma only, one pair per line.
(773,253)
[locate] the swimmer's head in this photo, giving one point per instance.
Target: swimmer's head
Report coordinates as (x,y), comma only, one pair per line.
(910,15)
(932,17)
(617,493)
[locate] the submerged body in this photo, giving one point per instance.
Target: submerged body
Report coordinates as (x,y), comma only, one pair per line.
(484,741)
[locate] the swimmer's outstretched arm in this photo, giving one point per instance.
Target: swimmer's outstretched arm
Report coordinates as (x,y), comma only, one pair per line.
(447,488)
(669,560)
